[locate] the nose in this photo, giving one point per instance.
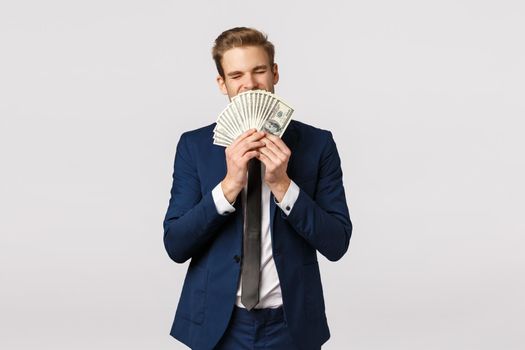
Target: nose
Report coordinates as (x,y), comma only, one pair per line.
(250,83)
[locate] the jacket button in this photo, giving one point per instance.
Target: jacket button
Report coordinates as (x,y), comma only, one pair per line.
(237,258)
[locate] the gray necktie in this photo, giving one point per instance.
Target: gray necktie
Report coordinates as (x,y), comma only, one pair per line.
(251,262)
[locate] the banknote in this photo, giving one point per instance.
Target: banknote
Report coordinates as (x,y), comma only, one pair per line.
(278,119)
(257,109)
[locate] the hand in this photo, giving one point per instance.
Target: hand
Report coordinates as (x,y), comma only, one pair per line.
(244,148)
(275,155)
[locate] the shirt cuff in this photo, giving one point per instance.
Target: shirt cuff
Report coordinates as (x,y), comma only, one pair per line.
(221,203)
(289,198)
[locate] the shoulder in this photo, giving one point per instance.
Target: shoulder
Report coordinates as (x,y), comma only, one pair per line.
(305,134)
(309,130)
(202,133)
(196,142)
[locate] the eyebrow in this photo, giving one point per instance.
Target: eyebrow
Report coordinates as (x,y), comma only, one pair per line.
(261,67)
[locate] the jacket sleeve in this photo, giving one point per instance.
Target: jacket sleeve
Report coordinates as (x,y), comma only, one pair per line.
(324,221)
(192,218)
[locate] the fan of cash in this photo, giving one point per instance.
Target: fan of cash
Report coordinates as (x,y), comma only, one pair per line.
(257,109)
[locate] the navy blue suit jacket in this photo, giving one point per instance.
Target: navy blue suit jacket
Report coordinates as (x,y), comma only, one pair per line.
(319,221)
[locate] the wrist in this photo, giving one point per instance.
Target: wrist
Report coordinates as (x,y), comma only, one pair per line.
(280,188)
(230,190)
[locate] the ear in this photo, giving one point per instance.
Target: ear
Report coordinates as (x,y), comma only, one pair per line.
(275,71)
(222,84)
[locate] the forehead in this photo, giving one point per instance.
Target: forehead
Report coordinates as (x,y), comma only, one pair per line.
(244,58)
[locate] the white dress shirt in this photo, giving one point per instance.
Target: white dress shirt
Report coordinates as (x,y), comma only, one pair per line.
(269,288)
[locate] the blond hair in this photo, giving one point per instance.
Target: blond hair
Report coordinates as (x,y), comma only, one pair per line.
(240,37)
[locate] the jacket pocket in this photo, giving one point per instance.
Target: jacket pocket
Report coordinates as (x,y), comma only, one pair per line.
(314,300)
(193,297)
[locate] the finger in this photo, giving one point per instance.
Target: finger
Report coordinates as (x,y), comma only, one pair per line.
(279,143)
(249,142)
(249,155)
(265,160)
(256,136)
(246,147)
(275,150)
(270,155)
(242,137)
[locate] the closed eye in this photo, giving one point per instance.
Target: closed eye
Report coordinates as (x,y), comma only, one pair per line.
(260,69)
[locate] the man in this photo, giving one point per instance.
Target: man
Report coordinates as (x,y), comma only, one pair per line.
(303,210)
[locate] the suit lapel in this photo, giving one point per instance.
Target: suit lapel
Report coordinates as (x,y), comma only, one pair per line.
(213,164)
(290,139)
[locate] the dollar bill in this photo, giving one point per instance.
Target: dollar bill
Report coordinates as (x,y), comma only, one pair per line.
(257,109)
(278,119)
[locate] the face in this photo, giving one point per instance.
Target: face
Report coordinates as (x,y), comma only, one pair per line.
(247,68)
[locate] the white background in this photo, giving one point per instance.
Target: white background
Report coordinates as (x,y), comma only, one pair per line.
(426,103)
